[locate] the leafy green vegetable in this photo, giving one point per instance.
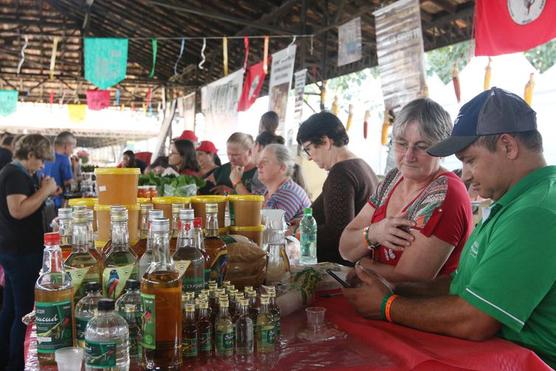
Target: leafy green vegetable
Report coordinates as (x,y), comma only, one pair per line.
(170,182)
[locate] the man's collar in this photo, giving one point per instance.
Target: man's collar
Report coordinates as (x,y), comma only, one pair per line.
(525,183)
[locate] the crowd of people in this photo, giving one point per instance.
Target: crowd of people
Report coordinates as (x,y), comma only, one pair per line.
(419,259)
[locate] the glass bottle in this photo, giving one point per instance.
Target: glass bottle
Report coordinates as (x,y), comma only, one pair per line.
(264,331)
(199,243)
(174,226)
(244,330)
(189,260)
(65,229)
(215,246)
(130,308)
(224,332)
(141,245)
(85,309)
(120,264)
(308,238)
(147,257)
(278,264)
(274,311)
(106,340)
(81,265)
(190,333)
(204,331)
(161,297)
(253,307)
(90,215)
(53,302)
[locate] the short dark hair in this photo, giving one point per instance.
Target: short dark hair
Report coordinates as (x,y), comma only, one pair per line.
(160,161)
(65,137)
(322,124)
(532,140)
(188,154)
(8,139)
(265,138)
(269,122)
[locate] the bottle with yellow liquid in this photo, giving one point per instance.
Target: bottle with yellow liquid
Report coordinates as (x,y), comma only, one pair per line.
(162,308)
(189,260)
(53,303)
(141,245)
(81,265)
(215,247)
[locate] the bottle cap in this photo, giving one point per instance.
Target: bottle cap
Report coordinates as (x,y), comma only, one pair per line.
(226,284)
(80,216)
(244,302)
(64,213)
(203,305)
(92,287)
(146,207)
(224,304)
(307,211)
(118,214)
(160,225)
(264,299)
(132,284)
(211,208)
(198,222)
(106,304)
(187,214)
(190,307)
(90,215)
(52,238)
(177,207)
(155,214)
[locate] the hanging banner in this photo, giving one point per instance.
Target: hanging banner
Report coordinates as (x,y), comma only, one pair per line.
(509,26)
(349,42)
(105,61)
(300,78)
(399,44)
(77,112)
(220,99)
(8,102)
(281,74)
(98,99)
(254,81)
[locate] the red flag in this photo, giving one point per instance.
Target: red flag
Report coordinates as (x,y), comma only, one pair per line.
(508,26)
(98,99)
(252,85)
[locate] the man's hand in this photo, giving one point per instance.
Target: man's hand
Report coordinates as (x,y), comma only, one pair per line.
(236,174)
(367,298)
(222,190)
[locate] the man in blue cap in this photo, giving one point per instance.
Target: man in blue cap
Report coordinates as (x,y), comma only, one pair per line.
(505,283)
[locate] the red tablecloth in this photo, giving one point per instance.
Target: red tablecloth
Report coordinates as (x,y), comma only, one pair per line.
(369,345)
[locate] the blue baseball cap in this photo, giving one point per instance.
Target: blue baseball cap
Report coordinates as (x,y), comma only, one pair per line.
(494,111)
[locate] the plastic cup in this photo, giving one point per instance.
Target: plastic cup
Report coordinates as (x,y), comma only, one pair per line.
(315,317)
(69,359)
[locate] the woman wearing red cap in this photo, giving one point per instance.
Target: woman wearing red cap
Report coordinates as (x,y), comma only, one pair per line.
(209,161)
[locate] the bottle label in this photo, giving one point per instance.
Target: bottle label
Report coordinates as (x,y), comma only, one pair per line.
(181,266)
(114,279)
(80,327)
(100,355)
(225,342)
(205,343)
(54,325)
(149,321)
(79,277)
(268,337)
(133,319)
(193,284)
(190,347)
(218,266)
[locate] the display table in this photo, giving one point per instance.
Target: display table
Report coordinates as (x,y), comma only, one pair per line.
(367,345)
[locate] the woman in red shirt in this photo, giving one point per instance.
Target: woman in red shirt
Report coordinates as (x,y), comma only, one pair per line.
(183,157)
(418,220)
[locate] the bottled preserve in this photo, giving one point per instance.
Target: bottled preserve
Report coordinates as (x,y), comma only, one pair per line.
(190,333)
(53,302)
(204,331)
(264,331)
(129,307)
(224,332)
(107,340)
(147,257)
(188,258)
(162,310)
(215,246)
(244,331)
(120,264)
(81,265)
(85,309)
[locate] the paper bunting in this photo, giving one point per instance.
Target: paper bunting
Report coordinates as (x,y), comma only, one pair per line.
(53,56)
(203,58)
(98,99)
(51,98)
(246,51)
(148,98)
(154,43)
(77,112)
(117,96)
(8,102)
(22,54)
(225,55)
(252,85)
(105,61)
(182,47)
(265,55)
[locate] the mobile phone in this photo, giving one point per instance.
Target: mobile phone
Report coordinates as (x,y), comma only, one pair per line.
(341,281)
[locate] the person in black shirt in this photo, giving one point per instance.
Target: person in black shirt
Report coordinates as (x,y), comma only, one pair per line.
(21,240)
(6,147)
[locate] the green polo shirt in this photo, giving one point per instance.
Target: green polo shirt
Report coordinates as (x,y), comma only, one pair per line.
(508,266)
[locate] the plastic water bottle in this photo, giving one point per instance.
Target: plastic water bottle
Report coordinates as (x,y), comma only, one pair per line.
(130,308)
(308,237)
(85,309)
(107,340)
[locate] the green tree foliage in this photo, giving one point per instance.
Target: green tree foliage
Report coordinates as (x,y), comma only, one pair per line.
(542,57)
(441,61)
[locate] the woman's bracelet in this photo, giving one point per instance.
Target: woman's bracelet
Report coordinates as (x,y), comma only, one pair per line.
(370,244)
(388,307)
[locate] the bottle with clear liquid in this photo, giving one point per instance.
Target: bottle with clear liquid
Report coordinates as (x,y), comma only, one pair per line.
(162,306)
(215,246)
(224,332)
(189,260)
(53,303)
(308,238)
(64,227)
(107,340)
(278,264)
(90,215)
(147,257)
(120,264)
(204,327)
(85,309)
(81,265)
(130,308)
(190,333)
(199,243)
(264,331)
(141,245)
(244,330)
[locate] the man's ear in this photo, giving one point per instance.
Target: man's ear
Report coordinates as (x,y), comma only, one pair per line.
(509,146)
